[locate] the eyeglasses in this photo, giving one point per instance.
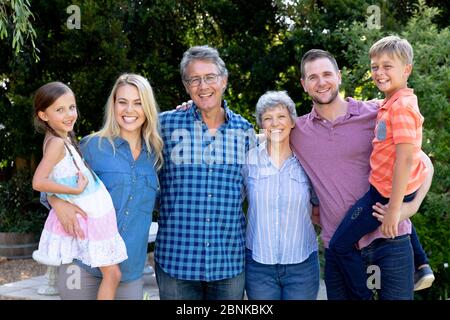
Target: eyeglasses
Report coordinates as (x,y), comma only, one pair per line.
(208,79)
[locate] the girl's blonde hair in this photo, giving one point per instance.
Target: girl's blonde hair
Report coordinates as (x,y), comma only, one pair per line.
(150,128)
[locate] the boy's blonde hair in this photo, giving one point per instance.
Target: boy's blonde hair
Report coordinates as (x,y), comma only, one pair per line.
(393,46)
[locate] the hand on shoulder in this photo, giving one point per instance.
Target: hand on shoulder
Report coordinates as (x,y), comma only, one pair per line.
(184,106)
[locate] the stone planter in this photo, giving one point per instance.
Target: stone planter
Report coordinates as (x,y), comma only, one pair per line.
(15,245)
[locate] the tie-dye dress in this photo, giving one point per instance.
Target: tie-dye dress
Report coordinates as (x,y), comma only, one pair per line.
(102,244)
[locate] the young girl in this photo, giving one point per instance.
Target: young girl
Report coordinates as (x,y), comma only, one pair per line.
(63,173)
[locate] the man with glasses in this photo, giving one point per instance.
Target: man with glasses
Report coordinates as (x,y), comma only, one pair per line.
(199,253)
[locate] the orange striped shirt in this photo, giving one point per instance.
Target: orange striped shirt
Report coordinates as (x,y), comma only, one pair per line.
(398,121)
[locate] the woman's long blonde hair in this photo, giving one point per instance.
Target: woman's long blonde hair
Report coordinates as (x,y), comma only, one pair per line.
(150,128)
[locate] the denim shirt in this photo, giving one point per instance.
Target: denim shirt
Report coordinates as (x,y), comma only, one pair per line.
(133,185)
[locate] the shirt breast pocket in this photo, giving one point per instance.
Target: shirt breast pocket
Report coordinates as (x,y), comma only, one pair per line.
(149,194)
(116,183)
(381,130)
(299,181)
(257,181)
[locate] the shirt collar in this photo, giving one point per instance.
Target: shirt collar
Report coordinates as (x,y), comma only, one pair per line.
(353,106)
(314,113)
(119,141)
(352,110)
(262,149)
(264,155)
(402,92)
(198,116)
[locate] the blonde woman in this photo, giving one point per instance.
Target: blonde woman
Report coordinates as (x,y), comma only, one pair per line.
(126,154)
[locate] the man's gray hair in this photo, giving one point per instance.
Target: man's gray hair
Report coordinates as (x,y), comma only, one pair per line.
(272,99)
(204,53)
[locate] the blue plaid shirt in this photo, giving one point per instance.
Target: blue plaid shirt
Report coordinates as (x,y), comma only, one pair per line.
(201,222)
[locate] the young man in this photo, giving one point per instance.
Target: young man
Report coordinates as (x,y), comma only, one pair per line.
(397,170)
(334,144)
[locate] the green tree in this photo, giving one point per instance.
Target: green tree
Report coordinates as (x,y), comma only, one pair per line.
(15,18)
(261,41)
(429,80)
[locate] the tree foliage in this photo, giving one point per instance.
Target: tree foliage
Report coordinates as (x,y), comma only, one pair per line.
(431,71)
(16,25)
(261,41)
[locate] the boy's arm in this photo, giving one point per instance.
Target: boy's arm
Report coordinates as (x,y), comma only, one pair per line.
(53,153)
(408,209)
(400,177)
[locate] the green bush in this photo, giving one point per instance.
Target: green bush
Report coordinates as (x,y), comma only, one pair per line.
(20,210)
(429,79)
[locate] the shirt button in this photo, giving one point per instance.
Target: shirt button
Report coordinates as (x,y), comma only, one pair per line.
(126,212)
(131,197)
(210,195)
(207,244)
(211,170)
(208,219)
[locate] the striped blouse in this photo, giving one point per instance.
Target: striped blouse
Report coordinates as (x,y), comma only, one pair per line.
(279,227)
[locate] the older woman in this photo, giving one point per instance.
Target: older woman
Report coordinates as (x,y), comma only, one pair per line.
(281,244)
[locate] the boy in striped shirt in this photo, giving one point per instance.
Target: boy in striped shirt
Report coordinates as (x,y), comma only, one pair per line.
(396,168)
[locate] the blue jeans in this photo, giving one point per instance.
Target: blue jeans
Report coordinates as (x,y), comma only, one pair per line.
(298,281)
(175,289)
(334,279)
(420,257)
(393,257)
(358,222)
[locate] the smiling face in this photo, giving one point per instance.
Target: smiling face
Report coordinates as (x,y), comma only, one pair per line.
(128,110)
(207,97)
(61,114)
(389,73)
(321,81)
(277,124)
